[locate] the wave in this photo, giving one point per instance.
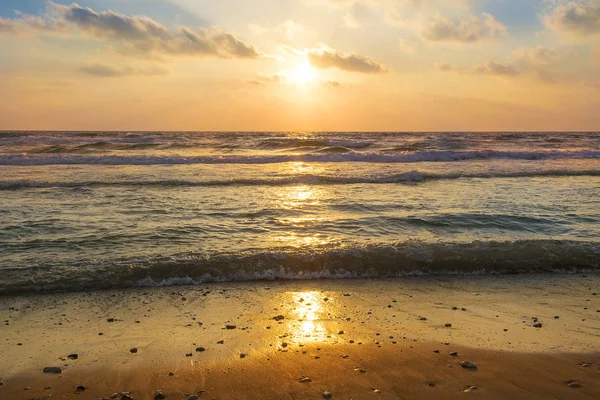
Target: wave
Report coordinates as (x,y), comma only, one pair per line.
(411,177)
(403,157)
(358,261)
(290,143)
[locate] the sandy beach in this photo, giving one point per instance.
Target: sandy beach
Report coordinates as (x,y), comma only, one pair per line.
(533,336)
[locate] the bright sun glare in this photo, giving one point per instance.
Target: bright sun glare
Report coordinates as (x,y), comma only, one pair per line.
(303,73)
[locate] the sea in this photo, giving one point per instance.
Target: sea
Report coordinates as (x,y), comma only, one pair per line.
(96,210)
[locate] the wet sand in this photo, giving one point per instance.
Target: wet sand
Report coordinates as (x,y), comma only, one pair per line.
(357,339)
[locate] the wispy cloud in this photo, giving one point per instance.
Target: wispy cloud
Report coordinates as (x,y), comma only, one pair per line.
(109,71)
(487,68)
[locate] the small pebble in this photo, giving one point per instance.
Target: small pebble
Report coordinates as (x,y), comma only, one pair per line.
(52,370)
(326,395)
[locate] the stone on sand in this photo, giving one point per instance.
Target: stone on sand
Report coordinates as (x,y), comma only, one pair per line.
(159,396)
(52,370)
(468,364)
(326,395)
(304,379)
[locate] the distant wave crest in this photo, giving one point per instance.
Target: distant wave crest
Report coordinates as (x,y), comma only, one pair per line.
(373,157)
(411,177)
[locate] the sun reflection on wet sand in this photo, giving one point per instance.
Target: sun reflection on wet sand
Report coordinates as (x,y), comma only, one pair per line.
(309,317)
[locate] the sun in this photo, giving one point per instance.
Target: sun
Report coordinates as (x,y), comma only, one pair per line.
(303,73)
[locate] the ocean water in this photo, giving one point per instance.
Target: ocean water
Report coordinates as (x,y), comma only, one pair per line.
(85,210)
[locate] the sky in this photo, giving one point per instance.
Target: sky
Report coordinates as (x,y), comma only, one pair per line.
(300,65)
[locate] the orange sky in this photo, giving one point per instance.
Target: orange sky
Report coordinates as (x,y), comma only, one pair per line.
(300,65)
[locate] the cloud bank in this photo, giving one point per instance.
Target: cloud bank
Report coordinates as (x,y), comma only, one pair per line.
(133,35)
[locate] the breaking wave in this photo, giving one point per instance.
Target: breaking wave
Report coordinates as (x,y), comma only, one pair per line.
(365,261)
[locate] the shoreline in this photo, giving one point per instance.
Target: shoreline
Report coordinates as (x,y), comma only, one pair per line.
(388,327)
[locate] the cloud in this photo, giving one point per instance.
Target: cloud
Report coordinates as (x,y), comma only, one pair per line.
(487,68)
(591,84)
(108,71)
(575,19)
(494,68)
(282,78)
(134,35)
(25,24)
(538,55)
(332,83)
(470,30)
(325,57)
(262,79)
